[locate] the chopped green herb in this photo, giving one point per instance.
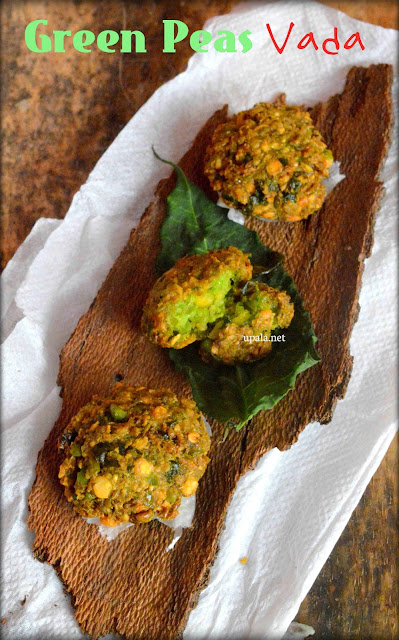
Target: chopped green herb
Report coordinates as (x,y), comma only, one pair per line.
(289,197)
(273,185)
(174,470)
(294,184)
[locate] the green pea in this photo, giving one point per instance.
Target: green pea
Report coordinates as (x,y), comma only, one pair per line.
(153,479)
(75,450)
(81,478)
(118,414)
(172,495)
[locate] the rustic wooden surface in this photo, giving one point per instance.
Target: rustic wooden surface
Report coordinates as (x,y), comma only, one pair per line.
(60,112)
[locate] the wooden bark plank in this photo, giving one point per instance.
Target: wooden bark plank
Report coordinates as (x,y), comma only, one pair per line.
(131,586)
(325,254)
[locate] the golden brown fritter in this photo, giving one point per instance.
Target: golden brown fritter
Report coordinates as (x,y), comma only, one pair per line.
(192,295)
(269,162)
(133,455)
(244,335)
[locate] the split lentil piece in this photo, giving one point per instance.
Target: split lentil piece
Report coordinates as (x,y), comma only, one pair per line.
(132,456)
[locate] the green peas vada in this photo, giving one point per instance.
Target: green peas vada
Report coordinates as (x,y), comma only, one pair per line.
(244,335)
(269,162)
(133,455)
(192,295)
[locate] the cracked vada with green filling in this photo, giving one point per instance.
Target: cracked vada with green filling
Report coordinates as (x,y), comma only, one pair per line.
(133,455)
(269,162)
(186,300)
(244,334)
(210,298)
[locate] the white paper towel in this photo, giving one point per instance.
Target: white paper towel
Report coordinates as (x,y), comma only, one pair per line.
(288,513)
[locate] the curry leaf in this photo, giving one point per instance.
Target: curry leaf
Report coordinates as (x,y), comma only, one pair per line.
(234,394)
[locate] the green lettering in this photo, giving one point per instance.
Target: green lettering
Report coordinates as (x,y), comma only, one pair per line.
(198,45)
(169,37)
(226,43)
(30,38)
(244,40)
(59,40)
(139,41)
(83,39)
(107,39)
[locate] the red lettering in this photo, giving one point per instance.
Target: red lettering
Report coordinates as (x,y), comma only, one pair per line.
(310,39)
(280,50)
(334,40)
(356,38)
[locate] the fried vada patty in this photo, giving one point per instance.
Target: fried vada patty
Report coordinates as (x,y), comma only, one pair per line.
(192,295)
(244,334)
(132,455)
(269,162)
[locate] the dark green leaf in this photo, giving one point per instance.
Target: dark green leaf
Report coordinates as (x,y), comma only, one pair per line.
(261,271)
(195,224)
(234,394)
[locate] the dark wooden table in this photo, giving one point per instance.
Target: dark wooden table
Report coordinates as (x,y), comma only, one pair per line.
(60,112)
